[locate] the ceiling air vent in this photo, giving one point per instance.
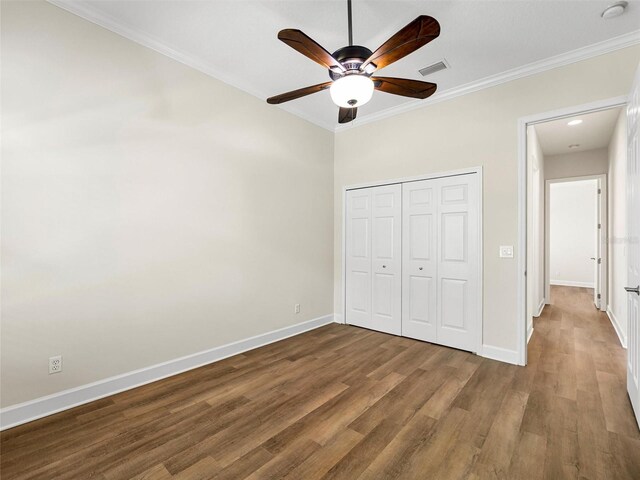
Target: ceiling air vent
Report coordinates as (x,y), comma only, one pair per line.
(436,67)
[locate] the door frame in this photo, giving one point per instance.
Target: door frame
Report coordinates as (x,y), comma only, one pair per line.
(602,206)
(427,176)
(521,250)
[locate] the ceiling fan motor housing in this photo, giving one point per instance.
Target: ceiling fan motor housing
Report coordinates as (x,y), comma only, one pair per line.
(351,57)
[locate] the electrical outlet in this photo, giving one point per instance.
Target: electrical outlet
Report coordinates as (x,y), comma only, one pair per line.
(55,364)
(296,309)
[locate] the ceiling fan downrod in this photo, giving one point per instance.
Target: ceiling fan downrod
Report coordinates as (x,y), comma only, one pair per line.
(350,22)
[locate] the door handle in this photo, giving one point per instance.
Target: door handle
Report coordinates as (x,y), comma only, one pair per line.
(633,290)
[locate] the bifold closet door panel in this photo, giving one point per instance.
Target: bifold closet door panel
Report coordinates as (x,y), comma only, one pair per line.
(358,258)
(386,261)
(412,260)
(458,261)
(419,275)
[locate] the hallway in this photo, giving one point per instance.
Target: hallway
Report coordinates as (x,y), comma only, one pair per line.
(578,400)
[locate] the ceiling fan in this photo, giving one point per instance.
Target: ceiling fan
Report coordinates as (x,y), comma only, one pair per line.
(351,67)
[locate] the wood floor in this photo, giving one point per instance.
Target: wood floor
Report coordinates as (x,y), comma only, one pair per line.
(343,402)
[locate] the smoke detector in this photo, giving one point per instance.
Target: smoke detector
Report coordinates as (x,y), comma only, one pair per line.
(614,10)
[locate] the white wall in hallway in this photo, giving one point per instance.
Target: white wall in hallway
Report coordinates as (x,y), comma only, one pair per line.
(579,164)
(617,234)
(572,230)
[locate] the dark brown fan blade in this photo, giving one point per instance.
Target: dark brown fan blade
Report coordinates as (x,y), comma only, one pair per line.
(345,115)
(404,87)
(310,48)
(301,92)
(418,33)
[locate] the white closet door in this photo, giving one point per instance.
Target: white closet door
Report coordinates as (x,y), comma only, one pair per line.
(386,305)
(419,275)
(358,258)
(412,260)
(458,254)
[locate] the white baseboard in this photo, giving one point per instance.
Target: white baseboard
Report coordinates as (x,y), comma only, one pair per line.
(543,302)
(529,333)
(570,283)
(41,407)
(616,326)
(500,354)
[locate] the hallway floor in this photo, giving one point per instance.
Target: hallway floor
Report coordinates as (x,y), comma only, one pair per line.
(578,401)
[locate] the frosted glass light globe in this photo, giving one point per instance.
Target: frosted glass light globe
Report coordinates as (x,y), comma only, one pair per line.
(351,91)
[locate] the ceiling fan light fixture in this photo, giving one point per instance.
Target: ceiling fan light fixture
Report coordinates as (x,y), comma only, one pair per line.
(351,90)
(351,67)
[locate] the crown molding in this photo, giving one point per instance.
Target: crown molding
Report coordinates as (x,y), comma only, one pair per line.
(87,12)
(567,58)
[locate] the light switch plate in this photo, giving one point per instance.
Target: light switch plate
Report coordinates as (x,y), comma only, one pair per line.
(506,251)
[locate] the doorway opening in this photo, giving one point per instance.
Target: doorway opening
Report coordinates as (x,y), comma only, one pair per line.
(575,240)
(576,181)
(611,339)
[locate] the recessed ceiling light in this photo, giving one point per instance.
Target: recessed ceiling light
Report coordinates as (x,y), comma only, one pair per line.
(614,10)
(577,121)
(574,145)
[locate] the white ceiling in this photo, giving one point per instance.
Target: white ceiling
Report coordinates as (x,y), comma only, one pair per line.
(235,40)
(594,132)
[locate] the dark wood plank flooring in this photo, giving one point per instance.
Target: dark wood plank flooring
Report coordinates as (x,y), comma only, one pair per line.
(343,402)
